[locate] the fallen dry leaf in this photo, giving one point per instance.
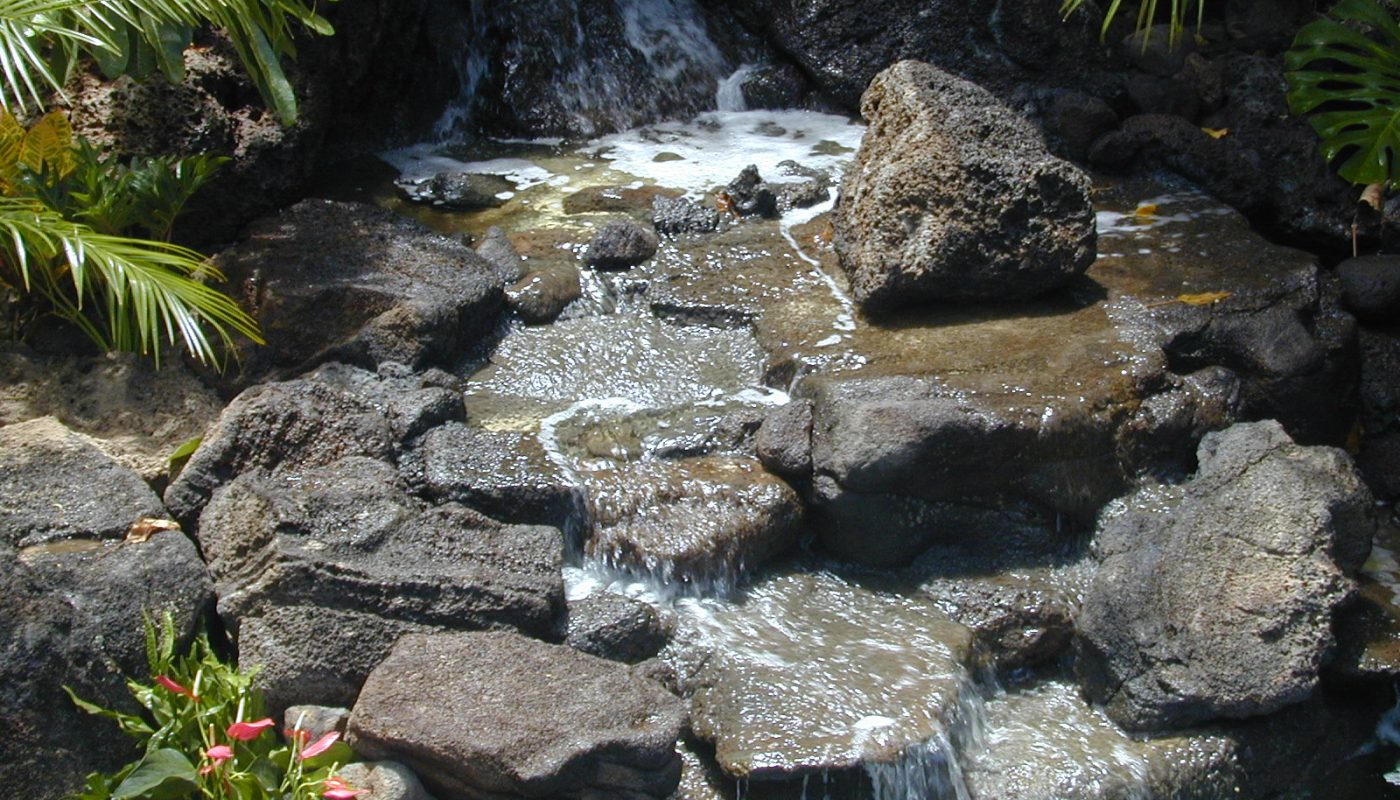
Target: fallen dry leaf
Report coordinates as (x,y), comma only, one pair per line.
(1216,133)
(1374,196)
(146,527)
(1147,210)
(1203,299)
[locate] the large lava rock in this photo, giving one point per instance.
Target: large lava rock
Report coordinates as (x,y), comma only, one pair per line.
(335,412)
(334,563)
(497,714)
(333,281)
(954,197)
(1215,599)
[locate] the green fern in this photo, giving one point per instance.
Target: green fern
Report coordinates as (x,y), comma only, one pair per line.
(1147,14)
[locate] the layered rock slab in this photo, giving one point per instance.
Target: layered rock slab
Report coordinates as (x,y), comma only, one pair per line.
(1214,599)
(491,715)
(320,570)
(954,197)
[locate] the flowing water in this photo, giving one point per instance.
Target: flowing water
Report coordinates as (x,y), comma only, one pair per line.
(808,680)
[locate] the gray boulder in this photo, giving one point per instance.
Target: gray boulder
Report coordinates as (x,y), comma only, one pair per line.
(784,440)
(496,249)
(459,191)
(335,412)
(70,615)
(384,780)
(954,197)
(1371,287)
(619,245)
(693,523)
(497,714)
(542,294)
(615,627)
(672,215)
(319,570)
(330,281)
(56,484)
(1214,599)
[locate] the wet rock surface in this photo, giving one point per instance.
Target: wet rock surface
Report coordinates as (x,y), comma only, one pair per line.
(543,294)
(1371,287)
(692,522)
(1182,624)
(619,245)
(617,628)
(848,677)
(953,197)
(459,191)
(493,714)
(679,215)
(330,281)
(349,541)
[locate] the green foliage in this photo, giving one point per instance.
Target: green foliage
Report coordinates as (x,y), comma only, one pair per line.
(1344,72)
(191,742)
(67,218)
(41,42)
(1147,15)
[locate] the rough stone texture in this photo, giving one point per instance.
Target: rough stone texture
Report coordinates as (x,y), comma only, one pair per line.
(330,281)
(750,196)
(459,191)
(616,627)
(336,411)
(492,714)
(133,412)
(56,484)
(635,200)
(316,720)
(542,295)
(775,86)
(496,249)
(953,197)
(693,522)
(504,474)
(1215,599)
(71,616)
(348,541)
(1075,120)
(1016,623)
(784,440)
(1379,458)
(619,245)
(680,215)
(1371,287)
(384,780)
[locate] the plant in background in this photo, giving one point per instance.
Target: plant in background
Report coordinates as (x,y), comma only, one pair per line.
(1343,72)
(203,735)
(1147,15)
(84,237)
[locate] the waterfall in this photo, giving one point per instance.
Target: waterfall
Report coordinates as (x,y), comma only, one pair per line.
(582,67)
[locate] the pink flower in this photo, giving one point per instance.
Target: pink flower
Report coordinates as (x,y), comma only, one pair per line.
(176,688)
(217,755)
(338,789)
(248,731)
(319,746)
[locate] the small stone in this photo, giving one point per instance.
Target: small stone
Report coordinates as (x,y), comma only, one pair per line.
(1371,287)
(459,191)
(620,245)
(617,628)
(1153,50)
(679,215)
(784,440)
(750,196)
(1077,119)
(496,249)
(384,780)
(316,720)
(542,295)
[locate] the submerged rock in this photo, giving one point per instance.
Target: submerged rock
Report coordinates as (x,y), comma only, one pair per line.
(691,523)
(953,197)
(497,714)
(459,191)
(331,281)
(619,245)
(1215,599)
(616,627)
(543,294)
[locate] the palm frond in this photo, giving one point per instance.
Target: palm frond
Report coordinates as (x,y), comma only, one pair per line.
(144,288)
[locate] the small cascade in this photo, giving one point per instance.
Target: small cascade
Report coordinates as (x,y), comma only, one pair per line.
(730,94)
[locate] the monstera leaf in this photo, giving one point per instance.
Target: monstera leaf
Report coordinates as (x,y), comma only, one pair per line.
(1344,73)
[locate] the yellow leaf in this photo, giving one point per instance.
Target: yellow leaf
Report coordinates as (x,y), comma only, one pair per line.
(11,136)
(1146,210)
(1216,133)
(1374,196)
(143,529)
(49,142)
(1204,299)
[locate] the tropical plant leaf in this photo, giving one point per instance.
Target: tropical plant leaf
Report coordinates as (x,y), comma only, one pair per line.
(1180,14)
(164,774)
(48,145)
(1344,73)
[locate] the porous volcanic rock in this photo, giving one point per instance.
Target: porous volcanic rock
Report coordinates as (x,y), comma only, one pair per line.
(616,627)
(56,484)
(335,412)
(619,245)
(1214,599)
(498,714)
(330,281)
(335,562)
(954,197)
